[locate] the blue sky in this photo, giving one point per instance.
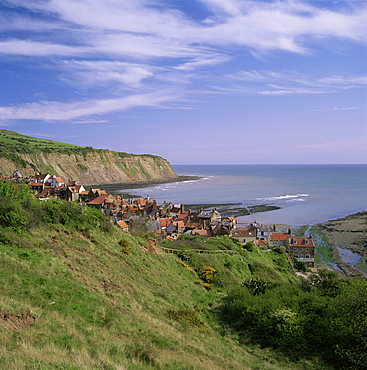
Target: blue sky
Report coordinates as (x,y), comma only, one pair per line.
(199,81)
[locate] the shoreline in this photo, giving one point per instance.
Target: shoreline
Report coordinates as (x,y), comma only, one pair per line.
(346,234)
(116,188)
(348,230)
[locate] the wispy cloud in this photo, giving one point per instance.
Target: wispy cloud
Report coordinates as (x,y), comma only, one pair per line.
(57,111)
(138,49)
(293,82)
(87,121)
(335,109)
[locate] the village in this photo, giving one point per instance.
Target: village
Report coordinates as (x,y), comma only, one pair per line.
(168,220)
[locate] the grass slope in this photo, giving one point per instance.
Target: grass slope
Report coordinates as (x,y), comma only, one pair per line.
(96,307)
(78,293)
(12,142)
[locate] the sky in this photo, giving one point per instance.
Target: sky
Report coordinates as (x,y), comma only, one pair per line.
(193,81)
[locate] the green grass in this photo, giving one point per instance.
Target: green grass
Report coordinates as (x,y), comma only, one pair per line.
(97,307)
(324,250)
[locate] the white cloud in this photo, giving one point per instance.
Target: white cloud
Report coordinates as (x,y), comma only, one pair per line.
(144,46)
(142,27)
(294,82)
(90,73)
(35,48)
(335,109)
(294,91)
(58,111)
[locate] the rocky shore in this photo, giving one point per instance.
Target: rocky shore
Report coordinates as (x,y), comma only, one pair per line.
(348,234)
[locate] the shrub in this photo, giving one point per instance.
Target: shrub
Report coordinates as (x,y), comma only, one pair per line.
(257,285)
(209,274)
(187,317)
(279,249)
(249,246)
(186,267)
(125,246)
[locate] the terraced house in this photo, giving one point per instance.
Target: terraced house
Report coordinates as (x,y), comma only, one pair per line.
(302,248)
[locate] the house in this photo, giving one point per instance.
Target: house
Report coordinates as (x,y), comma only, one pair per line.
(201,232)
(220,229)
(124,226)
(95,193)
(38,181)
(262,231)
(278,239)
(165,222)
(261,243)
(151,209)
(37,186)
(207,218)
(74,193)
(40,178)
(244,235)
(154,226)
(55,181)
(98,202)
(17,175)
(302,248)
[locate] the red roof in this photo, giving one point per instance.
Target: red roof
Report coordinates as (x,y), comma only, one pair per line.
(179,224)
(164,222)
(297,241)
(201,232)
(243,232)
(99,200)
(122,224)
(279,236)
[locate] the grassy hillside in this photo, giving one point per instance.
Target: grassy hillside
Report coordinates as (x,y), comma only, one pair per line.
(78,293)
(11,142)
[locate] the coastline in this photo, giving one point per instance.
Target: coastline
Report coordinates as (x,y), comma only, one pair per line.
(116,188)
(347,237)
(342,239)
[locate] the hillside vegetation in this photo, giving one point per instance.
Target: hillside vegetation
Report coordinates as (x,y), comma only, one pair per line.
(78,293)
(83,164)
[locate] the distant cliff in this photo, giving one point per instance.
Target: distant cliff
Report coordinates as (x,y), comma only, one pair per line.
(85,165)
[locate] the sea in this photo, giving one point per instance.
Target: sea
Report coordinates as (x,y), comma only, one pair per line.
(306,194)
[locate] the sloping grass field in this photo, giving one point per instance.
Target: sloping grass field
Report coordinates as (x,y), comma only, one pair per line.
(79,293)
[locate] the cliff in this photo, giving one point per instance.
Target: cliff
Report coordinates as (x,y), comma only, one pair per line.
(83,164)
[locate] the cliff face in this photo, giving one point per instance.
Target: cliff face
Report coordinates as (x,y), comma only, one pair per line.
(101,167)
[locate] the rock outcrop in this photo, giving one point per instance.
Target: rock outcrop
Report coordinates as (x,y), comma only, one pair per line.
(92,167)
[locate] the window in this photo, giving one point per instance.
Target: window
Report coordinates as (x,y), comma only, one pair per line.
(306,241)
(295,249)
(306,250)
(301,255)
(294,241)
(296,255)
(307,256)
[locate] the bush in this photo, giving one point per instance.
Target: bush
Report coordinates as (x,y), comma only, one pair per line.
(209,274)
(188,318)
(257,285)
(125,246)
(249,247)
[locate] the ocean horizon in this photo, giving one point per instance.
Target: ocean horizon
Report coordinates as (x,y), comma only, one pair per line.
(306,194)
